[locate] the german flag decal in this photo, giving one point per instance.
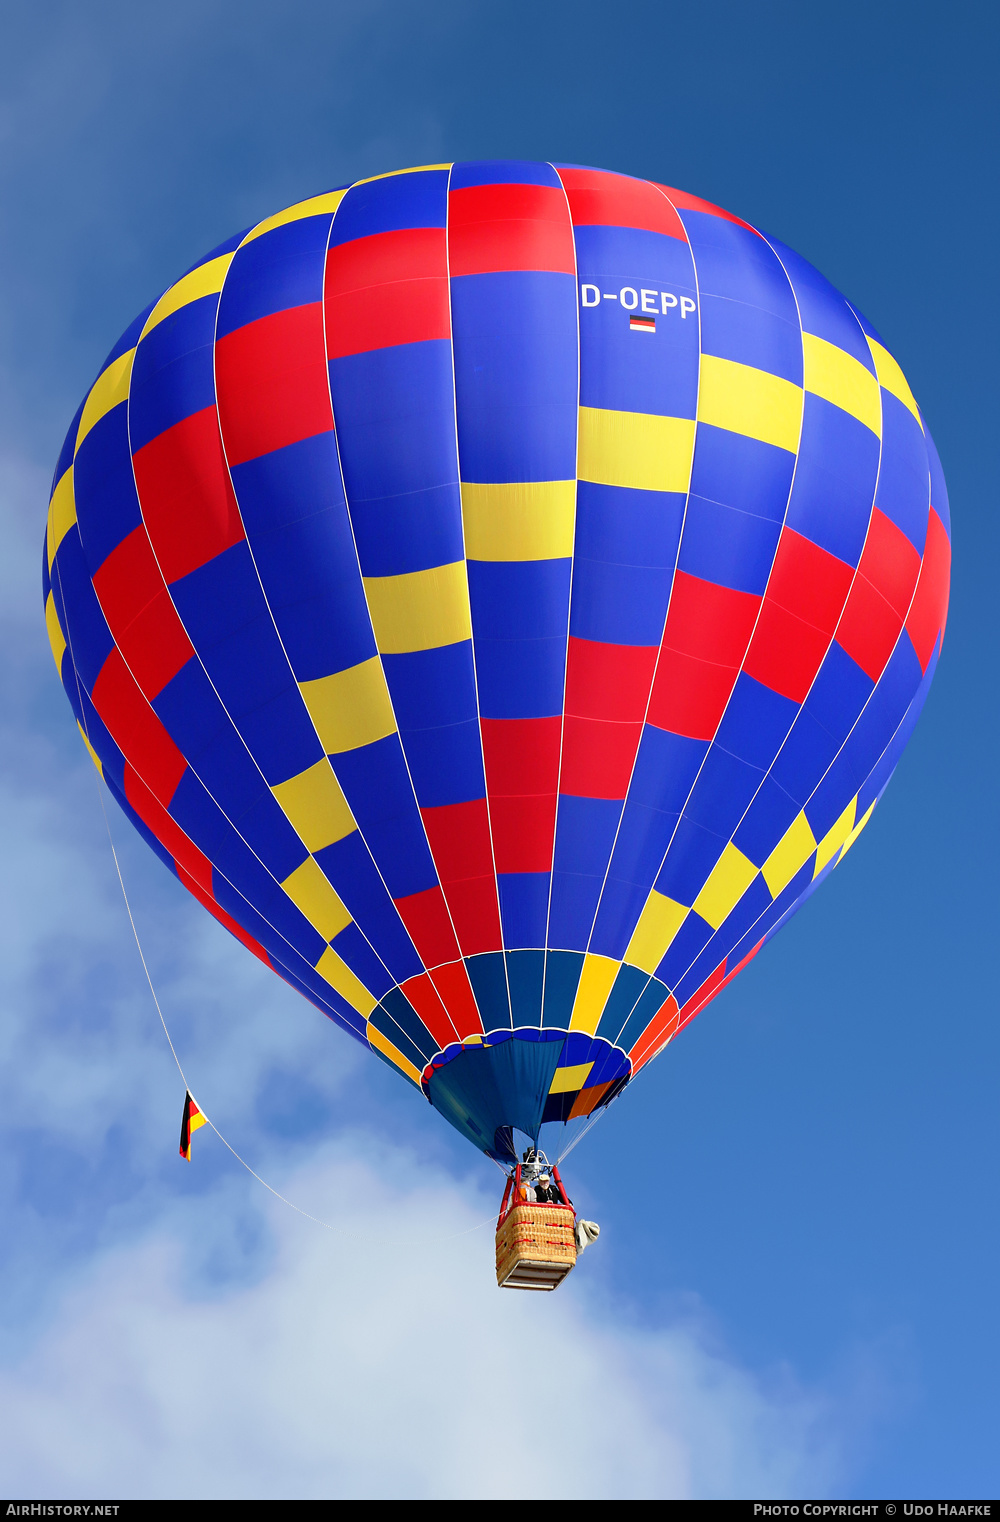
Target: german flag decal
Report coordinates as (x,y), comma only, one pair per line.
(193,1118)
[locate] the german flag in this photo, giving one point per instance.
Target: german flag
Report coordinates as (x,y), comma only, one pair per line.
(193,1118)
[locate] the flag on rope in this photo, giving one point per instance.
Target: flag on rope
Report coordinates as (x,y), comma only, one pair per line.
(193,1118)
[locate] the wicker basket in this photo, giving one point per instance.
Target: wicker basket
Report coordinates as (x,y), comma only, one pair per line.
(536,1246)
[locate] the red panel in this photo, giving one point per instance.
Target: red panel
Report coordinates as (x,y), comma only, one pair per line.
(460,843)
(587,1100)
(389,289)
(785,652)
(521,755)
(663,1025)
(689,696)
(704,995)
(616,200)
(523,830)
(429,926)
(427,1002)
(136,730)
(929,610)
(890,562)
(869,628)
(195,866)
(452,983)
(186,495)
(140,614)
(598,757)
(809,581)
(684,202)
(509,227)
(608,681)
(711,622)
(272,384)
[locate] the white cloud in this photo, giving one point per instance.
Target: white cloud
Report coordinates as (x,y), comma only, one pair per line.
(384,1367)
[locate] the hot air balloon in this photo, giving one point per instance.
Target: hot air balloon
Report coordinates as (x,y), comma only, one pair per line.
(501,593)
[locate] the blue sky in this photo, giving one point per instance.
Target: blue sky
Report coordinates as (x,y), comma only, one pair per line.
(795,1289)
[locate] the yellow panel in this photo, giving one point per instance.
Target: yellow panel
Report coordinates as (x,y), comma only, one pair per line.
(309,889)
(93,754)
(730,879)
(56,637)
(391,175)
(316,807)
(635,449)
(62,514)
(843,380)
(204,281)
(385,1046)
(892,377)
(659,922)
(313,207)
(749,401)
(792,852)
(835,837)
(420,610)
(337,973)
(568,1080)
(596,982)
(519,520)
(350,708)
(110,388)
(852,837)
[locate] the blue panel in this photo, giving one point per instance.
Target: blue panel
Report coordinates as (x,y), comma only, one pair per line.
(727,546)
(515,343)
(297,525)
(755,722)
(282,268)
(81,616)
(525,971)
(735,262)
(128,340)
(744,473)
(394,412)
(107,504)
(562,978)
(383,1021)
(750,336)
(692,856)
(903,480)
(503,172)
(629,986)
(192,714)
(693,936)
(410,532)
(394,201)
(280,735)
(896,689)
(722,792)
(838,693)
(886,763)
(618,914)
(619,604)
(520,679)
(349,867)
(805,755)
(377,787)
(834,793)
(65,459)
(643,840)
(531,596)
(226,247)
(173,375)
(267,831)
(407,1019)
(636,372)
(350,944)
(939,491)
(446,763)
(627,527)
(524,907)
(834,480)
(431,687)
(823,309)
(767,819)
(585,832)
(665,769)
(488,976)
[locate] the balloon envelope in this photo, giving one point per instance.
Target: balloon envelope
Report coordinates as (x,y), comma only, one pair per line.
(500,592)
